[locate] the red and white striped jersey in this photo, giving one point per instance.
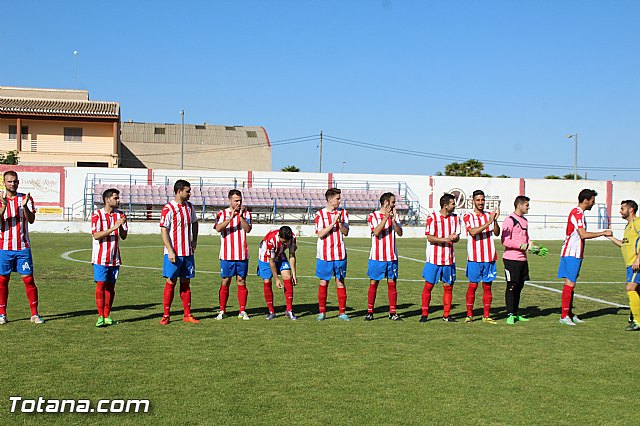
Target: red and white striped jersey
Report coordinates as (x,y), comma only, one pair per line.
(177,218)
(383,246)
(106,250)
(14,226)
(233,238)
(441,226)
(574,245)
(331,247)
(272,248)
(480,248)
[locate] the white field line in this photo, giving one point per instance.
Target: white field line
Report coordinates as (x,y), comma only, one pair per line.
(67,256)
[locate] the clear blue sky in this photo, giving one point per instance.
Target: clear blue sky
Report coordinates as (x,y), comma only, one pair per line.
(494,79)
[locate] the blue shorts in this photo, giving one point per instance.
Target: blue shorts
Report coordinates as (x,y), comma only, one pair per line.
(231,268)
(264,268)
(569,268)
(632,276)
(433,273)
(379,269)
(19,261)
(185,267)
(107,274)
(326,269)
(484,272)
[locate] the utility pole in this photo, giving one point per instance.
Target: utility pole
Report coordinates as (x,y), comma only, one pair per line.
(320,151)
(182,141)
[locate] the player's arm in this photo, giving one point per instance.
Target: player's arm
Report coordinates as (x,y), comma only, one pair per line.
(615,241)
(396,225)
(378,229)
(220,226)
(586,235)
(164,233)
(292,263)
(194,235)
(274,270)
(328,229)
(243,221)
(507,236)
(496,226)
(30,215)
(342,225)
(3,204)
(124,229)
(101,234)
(439,240)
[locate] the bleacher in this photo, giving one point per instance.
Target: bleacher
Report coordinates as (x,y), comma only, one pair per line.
(144,202)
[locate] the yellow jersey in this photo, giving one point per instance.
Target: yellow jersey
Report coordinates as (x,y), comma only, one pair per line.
(631,241)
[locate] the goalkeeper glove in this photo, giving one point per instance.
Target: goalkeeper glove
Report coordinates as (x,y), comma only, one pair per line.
(539,250)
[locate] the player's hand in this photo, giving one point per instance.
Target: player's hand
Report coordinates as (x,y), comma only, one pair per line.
(294,280)
(494,215)
(608,233)
(26,199)
(172,256)
(338,218)
(279,283)
(635,266)
(194,244)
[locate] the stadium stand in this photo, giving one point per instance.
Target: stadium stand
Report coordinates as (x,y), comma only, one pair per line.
(266,204)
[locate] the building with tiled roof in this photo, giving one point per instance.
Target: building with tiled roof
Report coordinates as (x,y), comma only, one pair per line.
(195,146)
(59,127)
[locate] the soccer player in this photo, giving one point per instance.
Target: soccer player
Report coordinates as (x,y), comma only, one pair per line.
(179,231)
(383,258)
(108,226)
(630,246)
(442,231)
(516,242)
(233,224)
(272,261)
(481,254)
(332,224)
(17,211)
(572,252)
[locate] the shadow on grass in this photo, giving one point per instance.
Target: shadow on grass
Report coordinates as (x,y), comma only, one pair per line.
(93,312)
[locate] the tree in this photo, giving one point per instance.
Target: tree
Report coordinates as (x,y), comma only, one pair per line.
(552,177)
(10,157)
(570,176)
(470,168)
(290,168)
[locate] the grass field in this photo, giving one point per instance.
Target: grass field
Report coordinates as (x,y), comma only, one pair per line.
(309,372)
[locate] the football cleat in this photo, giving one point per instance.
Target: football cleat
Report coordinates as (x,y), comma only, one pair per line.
(290,315)
(368,317)
(489,320)
(109,321)
(165,320)
(577,320)
(271,316)
(37,319)
(521,318)
(321,317)
(632,327)
(221,316)
(424,318)
(191,319)
(3,319)
(566,321)
(395,317)
(511,319)
(468,320)
(244,316)
(448,319)
(343,317)
(100,322)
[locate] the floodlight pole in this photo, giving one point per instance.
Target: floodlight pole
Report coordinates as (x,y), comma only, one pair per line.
(182,140)
(575,154)
(320,151)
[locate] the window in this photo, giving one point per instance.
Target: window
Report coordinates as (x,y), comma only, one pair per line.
(13,132)
(229,127)
(73,134)
(252,134)
(158,131)
(200,127)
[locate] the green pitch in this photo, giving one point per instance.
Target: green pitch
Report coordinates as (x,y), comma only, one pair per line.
(306,372)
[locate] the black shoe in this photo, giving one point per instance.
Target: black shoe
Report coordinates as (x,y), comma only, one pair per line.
(630,321)
(632,327)
(394,317)
(448,319)
(368,317)
(424,318)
